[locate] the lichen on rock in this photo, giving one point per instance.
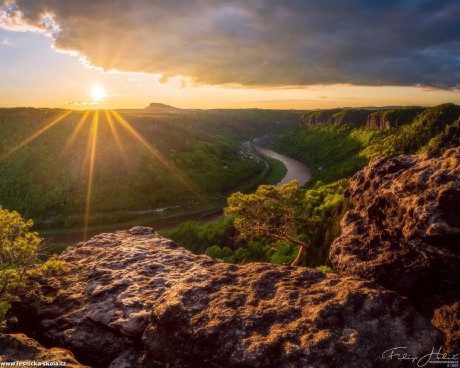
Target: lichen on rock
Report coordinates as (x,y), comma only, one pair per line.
(133,298)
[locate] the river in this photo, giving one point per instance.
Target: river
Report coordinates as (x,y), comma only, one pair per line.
(295,171)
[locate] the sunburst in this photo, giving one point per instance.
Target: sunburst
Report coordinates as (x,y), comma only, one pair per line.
(114,120)
(36,134)
(98,93)
(157,154)
(92,140)
(115,134)
(77,130)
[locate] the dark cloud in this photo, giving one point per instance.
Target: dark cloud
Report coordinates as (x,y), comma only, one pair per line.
(259,42)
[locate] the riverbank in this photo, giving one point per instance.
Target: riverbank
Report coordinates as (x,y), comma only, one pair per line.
(295,170)
(278,167)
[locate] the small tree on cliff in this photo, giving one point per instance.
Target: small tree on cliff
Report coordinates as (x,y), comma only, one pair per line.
(20,249)
(271,212)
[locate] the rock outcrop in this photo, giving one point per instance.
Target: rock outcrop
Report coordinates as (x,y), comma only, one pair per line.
(392,118)
(447,319)
(449,139)
(132,299)
(102,303)
(404,230)
(354,117)
(261,315)
(20,348)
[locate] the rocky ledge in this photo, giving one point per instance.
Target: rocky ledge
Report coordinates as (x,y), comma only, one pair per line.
(404,231)
(19,347)
(133,298)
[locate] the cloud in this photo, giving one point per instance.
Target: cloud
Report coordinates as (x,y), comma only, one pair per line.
(6,42)
(257,42)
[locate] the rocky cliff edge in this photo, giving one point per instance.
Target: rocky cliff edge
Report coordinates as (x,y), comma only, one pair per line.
(133,298)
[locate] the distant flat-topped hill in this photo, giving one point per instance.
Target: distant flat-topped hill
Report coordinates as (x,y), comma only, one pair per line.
(159,107)
(155,108)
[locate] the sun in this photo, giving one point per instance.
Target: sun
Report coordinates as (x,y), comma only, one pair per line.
(98,93)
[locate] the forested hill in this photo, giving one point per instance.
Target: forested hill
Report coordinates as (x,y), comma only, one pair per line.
(334,149)
(338,143)
(49,158)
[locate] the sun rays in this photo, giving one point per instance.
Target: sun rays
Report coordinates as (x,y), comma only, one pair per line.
(89,130)
(77,130)
(116,136)
(36,134)
(92,139)
(159,157)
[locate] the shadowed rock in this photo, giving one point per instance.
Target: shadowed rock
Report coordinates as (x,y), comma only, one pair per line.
(404,230)
(134,295)
(19,347)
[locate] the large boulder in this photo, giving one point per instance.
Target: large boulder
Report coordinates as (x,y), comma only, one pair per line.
(20,348)
(261,315)
(101,303)
(404,230)
(134,296)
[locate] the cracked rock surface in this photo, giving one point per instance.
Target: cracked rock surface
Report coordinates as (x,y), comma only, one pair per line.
(404,230)
(133,298)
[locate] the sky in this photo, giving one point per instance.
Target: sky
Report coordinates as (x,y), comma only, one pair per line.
(229,54)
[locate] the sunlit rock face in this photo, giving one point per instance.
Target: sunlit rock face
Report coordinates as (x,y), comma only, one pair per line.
(102,303)
(404,230)
(392,118)
(447,319)
(261,315)
(19,347)
(133,298)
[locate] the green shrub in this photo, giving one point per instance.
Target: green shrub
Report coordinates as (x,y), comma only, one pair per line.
(20,252)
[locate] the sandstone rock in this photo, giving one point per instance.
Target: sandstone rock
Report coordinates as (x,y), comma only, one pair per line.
(355,117)
(450,139)
(392,118)
(262,315)
(350,117)
(102,302)
(134,294)
(404,230)
(447,319)
(318,116)
(19,347)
